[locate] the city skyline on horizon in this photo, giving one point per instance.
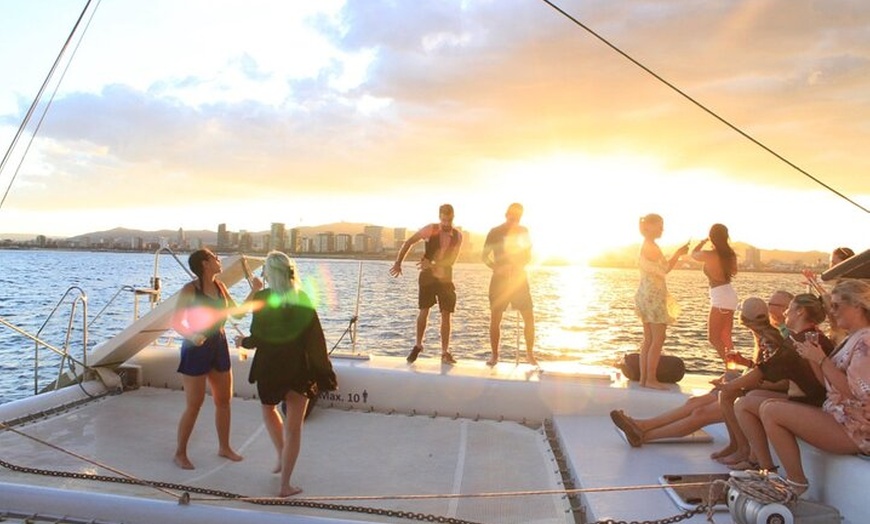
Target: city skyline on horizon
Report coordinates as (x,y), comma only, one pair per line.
(749,251)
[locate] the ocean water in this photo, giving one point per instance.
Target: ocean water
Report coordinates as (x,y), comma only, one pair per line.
(582,314)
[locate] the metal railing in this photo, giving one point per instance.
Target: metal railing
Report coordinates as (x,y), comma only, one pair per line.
(77,298)
(65,355)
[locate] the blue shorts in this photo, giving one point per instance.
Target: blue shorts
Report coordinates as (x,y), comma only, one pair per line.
(213,354)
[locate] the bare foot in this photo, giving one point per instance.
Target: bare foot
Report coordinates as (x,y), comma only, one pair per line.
(289,491)
(230,454)
(532,360)
(655,385)
(724,452)
(733,458)
(277,468)
(183,462)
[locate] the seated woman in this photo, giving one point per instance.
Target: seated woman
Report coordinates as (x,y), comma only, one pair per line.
(842,426)
(837,256)
(697,412)
(803,316)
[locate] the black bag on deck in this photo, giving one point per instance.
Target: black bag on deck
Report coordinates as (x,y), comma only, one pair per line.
(670,371)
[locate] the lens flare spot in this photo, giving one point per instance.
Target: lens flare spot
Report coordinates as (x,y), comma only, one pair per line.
(274,300)
(201,318)
(320,287)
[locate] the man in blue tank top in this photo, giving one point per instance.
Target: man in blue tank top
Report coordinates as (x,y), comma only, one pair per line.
(442,242)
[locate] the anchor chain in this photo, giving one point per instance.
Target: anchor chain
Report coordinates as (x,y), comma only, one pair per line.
(302,503)
(669,520)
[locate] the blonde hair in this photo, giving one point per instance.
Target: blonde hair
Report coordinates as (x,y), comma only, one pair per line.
(280,272)
(649,221)
(854,292)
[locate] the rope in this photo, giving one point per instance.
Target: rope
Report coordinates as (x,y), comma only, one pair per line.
(763,487)
(347,330)
(324,502)
(505,494)
(703,107)
(4,426)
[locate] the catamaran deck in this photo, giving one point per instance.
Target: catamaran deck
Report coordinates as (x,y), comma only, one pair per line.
(392,462)
(344,454)
(442,459)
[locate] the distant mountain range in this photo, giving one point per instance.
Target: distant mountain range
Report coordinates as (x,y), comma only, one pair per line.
(627,256)
(624,256)
(210,237)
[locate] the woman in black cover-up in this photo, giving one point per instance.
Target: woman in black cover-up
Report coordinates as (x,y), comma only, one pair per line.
(291,363)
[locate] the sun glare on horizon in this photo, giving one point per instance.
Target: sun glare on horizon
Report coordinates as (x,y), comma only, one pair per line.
(578,207)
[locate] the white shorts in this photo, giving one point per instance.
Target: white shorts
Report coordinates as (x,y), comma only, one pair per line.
(723,297)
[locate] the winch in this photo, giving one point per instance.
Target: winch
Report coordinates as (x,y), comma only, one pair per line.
(759,498)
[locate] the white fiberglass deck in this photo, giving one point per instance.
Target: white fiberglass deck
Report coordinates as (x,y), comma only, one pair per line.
(606,461)
(345,453)
(392,430)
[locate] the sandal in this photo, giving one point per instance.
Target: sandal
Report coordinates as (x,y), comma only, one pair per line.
(447,358)
(797,488)
(793,488)
(415,352)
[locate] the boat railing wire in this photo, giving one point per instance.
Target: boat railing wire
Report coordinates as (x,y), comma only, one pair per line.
(702,106)
(64,51)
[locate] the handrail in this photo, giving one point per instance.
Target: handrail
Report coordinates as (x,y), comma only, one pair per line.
(180,263)
(64,353)
(109,303)
(66,345)
(66,358)
(25,334)
(155,279)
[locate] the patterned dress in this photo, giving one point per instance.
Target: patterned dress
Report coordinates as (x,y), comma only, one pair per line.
(652,301)
(854,413)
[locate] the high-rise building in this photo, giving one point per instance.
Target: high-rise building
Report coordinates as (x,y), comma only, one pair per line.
(325,242)
(223,238)
(293,245)
(376,237)
(276,238)
(245,242)
(343,243)
(400,234)
(361,243)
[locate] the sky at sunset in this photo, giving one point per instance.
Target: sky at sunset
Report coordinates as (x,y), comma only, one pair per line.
(188,114)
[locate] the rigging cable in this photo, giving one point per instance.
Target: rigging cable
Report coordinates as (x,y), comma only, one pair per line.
(38,97)
(703,107)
